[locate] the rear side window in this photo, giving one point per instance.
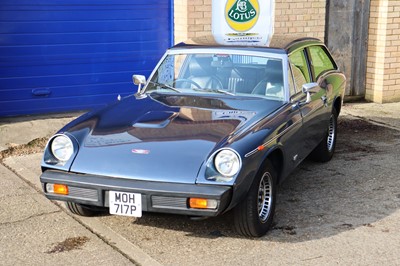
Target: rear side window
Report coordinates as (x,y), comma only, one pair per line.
(299,66)
(320,60)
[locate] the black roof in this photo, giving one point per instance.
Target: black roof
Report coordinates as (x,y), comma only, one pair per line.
(278,42)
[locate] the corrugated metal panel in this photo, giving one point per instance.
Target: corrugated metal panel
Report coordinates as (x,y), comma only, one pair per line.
(83,53)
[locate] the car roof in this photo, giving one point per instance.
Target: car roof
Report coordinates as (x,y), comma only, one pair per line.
(279,43)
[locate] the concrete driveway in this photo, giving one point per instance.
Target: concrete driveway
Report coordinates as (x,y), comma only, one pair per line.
(344,212)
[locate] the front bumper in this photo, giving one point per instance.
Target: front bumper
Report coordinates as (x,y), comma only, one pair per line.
(156,196)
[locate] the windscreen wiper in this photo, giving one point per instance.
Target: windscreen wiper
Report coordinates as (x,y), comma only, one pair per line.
(165,86)
(214,90)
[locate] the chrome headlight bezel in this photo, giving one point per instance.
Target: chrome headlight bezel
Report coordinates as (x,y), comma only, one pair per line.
(230,159)
(62,148)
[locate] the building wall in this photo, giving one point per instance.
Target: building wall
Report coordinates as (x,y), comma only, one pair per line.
(300,16)
(193,18)
(383,63)
(307,17)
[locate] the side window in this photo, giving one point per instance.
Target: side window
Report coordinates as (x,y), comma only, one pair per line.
(320,60)
(299,67)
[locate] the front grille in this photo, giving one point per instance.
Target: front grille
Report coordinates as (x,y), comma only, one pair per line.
(83,193)
(169,202)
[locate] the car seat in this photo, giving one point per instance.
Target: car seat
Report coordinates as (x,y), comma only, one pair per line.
(272,84)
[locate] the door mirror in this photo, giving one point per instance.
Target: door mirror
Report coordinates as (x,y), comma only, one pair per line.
(139,80)
(309,88)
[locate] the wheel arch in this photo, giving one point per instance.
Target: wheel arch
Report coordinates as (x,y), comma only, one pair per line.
(246,215)
(337,104)
(276,157)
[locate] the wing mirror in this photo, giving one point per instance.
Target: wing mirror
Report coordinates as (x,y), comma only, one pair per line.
(139,80)
(309,88)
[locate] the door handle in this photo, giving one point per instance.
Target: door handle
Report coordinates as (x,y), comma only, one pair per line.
(325,100)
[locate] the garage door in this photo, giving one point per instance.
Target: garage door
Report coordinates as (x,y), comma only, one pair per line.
(64,55)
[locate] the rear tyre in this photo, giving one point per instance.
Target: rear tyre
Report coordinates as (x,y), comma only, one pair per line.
(84,210)
(326,148)
(253,216)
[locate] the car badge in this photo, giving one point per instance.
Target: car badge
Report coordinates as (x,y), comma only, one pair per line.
(139,151)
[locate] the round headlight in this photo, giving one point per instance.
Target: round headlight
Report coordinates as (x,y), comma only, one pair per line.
(62,148)
(227,163)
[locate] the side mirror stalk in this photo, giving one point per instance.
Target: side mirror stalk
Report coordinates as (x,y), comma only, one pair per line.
(139,80)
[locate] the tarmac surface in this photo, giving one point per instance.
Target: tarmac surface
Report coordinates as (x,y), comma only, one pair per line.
(350,216)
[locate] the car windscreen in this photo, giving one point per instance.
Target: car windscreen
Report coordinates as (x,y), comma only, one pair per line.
(231,74)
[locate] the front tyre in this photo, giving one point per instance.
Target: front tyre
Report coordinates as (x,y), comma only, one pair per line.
(253,216)
(326,148)
(84,210)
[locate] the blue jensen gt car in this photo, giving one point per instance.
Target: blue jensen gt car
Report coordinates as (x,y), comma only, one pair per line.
(214,129)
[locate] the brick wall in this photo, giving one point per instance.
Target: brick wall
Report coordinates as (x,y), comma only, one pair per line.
(180,20)
(300,16)
(383,63)
(193,18)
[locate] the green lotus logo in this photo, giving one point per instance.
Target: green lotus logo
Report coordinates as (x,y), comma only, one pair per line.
(243,11)
(242,15)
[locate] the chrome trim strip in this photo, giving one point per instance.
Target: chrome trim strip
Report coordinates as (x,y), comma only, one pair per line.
(272,140)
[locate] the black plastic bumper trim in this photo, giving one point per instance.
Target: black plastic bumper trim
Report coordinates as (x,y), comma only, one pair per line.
(147,188)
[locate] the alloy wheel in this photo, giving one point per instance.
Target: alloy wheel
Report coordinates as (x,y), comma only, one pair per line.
(265,197)
(331,133)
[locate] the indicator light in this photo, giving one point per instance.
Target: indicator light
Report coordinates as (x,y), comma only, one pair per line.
(198,203)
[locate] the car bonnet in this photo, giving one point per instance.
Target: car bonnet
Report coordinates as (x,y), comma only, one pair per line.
(161,137)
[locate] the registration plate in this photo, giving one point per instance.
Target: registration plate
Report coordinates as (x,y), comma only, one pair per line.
(124,203)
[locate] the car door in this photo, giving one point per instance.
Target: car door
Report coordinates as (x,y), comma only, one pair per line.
(316,112)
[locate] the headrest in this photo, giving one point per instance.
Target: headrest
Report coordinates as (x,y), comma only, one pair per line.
(274,71)
(274,65)
(224,62)
(200,66)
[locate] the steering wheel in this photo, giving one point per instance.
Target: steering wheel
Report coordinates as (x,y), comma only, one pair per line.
(260,88)
(187,81)
(219,82)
